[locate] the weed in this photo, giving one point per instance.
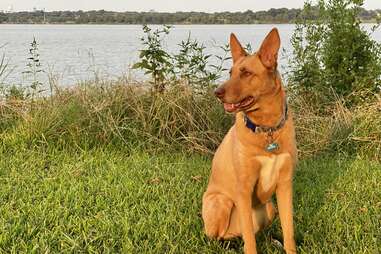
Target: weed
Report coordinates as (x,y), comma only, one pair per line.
(34,68)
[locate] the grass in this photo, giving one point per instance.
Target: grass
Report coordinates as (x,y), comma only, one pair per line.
(105,201)
(119,113)
(113,168)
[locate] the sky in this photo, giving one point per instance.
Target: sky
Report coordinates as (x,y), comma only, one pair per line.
(160,5)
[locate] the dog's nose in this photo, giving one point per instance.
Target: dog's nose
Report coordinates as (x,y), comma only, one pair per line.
(219,92)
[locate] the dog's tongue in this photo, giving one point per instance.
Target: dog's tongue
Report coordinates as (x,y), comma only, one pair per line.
(230,107)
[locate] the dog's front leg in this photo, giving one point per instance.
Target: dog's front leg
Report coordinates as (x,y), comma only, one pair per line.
(284,200)
(245,185)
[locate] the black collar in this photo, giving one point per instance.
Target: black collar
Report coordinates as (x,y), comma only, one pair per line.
(256,128)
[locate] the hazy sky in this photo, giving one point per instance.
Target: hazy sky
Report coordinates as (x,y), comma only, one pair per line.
(160,5)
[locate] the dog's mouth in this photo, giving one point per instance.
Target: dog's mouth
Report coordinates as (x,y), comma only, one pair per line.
(242,105)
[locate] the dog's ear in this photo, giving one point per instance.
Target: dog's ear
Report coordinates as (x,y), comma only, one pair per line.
(268,52)
(236,48)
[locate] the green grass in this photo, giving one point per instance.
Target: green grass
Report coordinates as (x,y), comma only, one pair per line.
(105,201)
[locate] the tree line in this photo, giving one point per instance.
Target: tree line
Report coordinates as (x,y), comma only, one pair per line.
(282,15)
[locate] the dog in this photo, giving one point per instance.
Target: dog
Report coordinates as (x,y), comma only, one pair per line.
(257,156)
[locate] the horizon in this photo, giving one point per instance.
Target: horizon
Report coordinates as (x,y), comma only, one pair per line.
(159,5)
(155,11)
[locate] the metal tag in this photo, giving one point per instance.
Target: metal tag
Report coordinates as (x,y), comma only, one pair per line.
(272,147)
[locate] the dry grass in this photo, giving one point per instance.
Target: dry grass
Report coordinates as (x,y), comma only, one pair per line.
(334,127)
(128,115)
(119,113)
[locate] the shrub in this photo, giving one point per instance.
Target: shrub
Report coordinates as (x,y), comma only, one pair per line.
(334,51)
(154,60)
(190,65)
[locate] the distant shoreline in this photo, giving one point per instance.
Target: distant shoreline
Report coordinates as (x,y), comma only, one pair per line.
(102,17)
(176,24)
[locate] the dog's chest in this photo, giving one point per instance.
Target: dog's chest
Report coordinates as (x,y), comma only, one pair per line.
(270,169)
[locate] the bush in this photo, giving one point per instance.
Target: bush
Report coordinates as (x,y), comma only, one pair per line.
(190,65)
(335,52)
(154,60)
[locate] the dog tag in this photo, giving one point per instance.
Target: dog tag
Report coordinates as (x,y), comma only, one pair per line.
(272,147)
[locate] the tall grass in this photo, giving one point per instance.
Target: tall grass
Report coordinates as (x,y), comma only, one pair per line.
(336,128)
(117,114)
(129,116)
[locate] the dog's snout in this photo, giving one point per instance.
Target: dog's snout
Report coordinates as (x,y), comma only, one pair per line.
(219,92)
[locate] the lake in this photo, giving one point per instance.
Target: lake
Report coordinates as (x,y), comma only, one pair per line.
(74,53)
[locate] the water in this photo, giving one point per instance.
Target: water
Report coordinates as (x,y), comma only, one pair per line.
(74,53)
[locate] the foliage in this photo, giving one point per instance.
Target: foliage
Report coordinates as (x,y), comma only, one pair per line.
(190,66)
(15,93)
(34,68)
(271,16)
(335,52)
(154,60)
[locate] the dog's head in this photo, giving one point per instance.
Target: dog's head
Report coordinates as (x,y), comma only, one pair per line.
(252,76)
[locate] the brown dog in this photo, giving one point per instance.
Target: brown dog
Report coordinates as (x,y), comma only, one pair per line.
(257,156)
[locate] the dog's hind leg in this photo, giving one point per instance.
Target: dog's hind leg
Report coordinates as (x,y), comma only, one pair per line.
(221,220)
(216,212)
(266,214)
(263,215)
